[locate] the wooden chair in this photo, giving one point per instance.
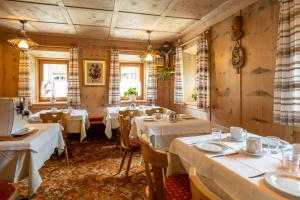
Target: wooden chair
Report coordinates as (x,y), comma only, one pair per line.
(127,114)
(8,191)
(131,113)
(199,190)
(60,118)
(129,145)
(151,111)
(161,187)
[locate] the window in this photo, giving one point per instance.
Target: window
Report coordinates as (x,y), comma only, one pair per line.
(53,79)
(132,75)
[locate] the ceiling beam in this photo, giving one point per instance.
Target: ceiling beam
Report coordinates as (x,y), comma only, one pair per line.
(66,14)
(117,6)
(219,14)
(163,14)
(9,10)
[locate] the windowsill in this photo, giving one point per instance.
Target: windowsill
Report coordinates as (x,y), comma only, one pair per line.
(137,101)
(48,103)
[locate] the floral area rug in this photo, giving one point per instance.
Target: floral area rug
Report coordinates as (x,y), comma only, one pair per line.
(90,175)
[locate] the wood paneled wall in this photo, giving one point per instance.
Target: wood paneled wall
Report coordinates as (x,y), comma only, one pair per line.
(9,68)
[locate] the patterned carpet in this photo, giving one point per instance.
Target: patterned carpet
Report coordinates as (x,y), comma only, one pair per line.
(91,175)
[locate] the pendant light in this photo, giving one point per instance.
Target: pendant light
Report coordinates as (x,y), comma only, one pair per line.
(149,54)
(22,41)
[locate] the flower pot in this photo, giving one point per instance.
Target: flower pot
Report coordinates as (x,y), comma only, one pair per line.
(132,97)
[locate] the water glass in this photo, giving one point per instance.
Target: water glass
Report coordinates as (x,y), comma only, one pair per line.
(273,144)
(290,161)
(216,134)
(296,149)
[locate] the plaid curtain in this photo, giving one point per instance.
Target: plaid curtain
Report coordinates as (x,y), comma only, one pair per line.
(151,82)
(73,78)
(114,78)
(202,73)
(24,76)
(287,72)
(178,80)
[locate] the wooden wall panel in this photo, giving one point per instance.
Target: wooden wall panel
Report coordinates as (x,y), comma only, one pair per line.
(10,71)
(1,67)
(258,76)
(94,98)
(225,82)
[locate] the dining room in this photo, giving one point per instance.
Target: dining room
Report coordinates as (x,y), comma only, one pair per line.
(153,99)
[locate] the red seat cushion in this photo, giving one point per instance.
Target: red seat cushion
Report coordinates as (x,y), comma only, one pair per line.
(95,118)
(7,190)
(178,187)
(134,143)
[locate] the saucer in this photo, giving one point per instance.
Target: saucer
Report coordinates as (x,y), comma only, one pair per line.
(236,140)
(260,154)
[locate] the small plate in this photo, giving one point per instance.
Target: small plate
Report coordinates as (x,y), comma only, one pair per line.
(236,140)
(22,131)
(187,117)
(264,152)
(284,182)
(148,119)
(211,147)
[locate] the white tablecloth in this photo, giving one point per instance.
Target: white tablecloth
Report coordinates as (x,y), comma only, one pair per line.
(230,173)
(72,122)
(161,133)
(112,114)
(19,159)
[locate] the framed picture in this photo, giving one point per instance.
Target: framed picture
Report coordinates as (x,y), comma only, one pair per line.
(160,61)
(94,72)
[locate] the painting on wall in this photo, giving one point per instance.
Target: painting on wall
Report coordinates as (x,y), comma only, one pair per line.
(94,72)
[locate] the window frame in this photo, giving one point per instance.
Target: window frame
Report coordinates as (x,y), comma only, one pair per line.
(40,77)
(142,76)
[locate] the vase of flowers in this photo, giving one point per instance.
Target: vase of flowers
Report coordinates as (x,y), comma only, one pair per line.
(131,93)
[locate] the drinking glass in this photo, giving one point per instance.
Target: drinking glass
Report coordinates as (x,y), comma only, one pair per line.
(273,144)
(296,149)
(290,161)
(216,134)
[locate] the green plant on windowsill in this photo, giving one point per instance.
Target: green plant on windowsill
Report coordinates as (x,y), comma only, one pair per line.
(194,95)
(131,91)
(165,73)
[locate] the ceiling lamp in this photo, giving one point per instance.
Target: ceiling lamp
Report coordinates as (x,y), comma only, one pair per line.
(22,41)
(149,53)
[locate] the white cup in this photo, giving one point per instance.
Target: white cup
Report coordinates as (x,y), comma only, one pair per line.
(238,133)
(254,145)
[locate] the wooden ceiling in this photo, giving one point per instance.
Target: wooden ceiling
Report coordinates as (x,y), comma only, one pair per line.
(105,19)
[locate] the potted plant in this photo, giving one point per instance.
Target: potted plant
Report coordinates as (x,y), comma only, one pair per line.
(194,95)
(131,93)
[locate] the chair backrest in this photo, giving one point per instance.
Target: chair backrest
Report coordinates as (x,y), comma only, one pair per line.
(125,125)
(155,161)
(58,117)
(151,111)
(131,113)
(199,190)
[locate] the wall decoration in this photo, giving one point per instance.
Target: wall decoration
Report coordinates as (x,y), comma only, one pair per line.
(94,72)
(160,61)
(238,53)
(165,51)
(237,32)
(238,56)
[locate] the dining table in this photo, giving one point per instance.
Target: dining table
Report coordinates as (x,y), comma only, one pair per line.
(23,158)
(161,132)
(112,117)
(72,123)
(233,174)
